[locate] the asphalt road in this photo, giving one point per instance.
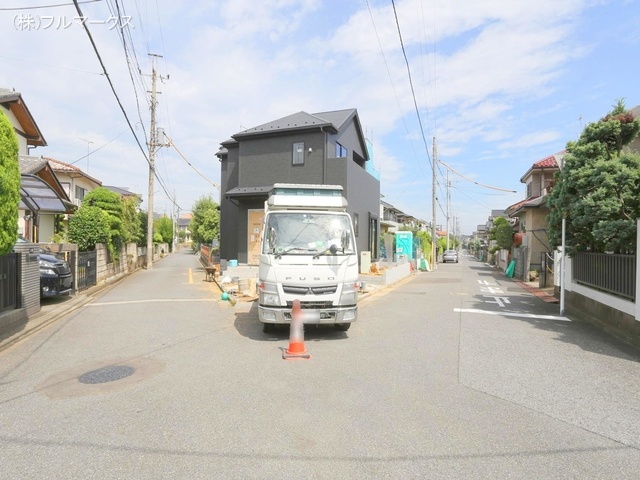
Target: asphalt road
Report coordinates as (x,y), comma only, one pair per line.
(455,373)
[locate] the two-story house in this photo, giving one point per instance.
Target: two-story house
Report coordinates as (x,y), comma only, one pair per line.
(75,182)
(530,215)
(327,148)
(41,195)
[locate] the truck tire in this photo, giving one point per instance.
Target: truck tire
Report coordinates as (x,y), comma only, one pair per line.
(268,327)
(343,327)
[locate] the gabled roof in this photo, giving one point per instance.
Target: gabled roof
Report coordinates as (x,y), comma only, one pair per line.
(14,102)
(550,162)
(331,122)
(297,121)
(70,170)
(38,166)
(123,191)
(531,202)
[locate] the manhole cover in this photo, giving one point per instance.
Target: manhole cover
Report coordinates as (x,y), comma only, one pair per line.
(107,374)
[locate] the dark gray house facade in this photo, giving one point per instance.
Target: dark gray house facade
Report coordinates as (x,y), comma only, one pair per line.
(325,148)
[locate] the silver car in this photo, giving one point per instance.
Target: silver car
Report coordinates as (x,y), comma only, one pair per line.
(450,256)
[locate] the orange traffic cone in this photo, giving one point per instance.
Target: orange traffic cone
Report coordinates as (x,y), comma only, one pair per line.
(296,335)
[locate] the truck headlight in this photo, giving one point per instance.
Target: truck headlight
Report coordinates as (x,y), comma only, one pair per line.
(269,294)
(349,295)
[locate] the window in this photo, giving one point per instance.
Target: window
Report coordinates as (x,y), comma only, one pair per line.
(298,153)
(341,151)
(80,193)
(66,186)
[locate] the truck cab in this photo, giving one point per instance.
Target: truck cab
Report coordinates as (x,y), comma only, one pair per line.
(308,253)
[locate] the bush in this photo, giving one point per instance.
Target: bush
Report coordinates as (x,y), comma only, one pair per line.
(9,186)
(88,226)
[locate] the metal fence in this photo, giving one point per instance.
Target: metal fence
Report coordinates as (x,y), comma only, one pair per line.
(546,270)
(9,281)
(615,274)
(87,270)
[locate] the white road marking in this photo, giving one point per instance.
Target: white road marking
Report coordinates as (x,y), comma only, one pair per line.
(484,282)
(491,290)
(497,300)
(512,314)
(155,300)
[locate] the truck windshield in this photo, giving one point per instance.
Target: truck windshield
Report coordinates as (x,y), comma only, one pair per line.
(291,233)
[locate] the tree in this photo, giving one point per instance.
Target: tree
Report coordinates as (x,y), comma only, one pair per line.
(88,226)
(597,190)
(131,223)
(502,233)
(163,230)
(111,203)
(425,242)
(142,218)
(205,222)
(9,185)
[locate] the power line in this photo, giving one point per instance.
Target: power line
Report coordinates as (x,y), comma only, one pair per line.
(477,183)
(189,163)
(413,93)
(34,7)
(106,74)
(99,148)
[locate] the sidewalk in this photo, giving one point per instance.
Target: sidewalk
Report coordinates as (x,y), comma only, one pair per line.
(545,294)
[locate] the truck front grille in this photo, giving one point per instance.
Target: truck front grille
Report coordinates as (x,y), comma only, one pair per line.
(312,305)
(320,290)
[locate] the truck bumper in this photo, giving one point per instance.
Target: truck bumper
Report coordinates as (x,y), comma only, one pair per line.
(327,316)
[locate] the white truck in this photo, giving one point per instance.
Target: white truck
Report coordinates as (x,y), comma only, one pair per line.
(308,253)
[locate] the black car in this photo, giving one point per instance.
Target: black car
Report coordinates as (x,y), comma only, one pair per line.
(55,275)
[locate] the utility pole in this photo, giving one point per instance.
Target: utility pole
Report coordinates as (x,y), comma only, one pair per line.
(153,144)
(433,202)
(448,211)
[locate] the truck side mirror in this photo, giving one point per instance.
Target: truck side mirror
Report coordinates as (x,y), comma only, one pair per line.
(345,240)
(271,238)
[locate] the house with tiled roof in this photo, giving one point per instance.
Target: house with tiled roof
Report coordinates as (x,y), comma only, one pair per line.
(75,182)
(42,197)
(529,216)
(43,200)
(327,148)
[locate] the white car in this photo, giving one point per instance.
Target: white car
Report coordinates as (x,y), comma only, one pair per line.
(450,256)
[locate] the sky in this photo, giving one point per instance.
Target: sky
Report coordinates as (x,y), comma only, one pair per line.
(499,85)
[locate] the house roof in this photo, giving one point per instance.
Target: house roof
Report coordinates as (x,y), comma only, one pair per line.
(260,191)
(549,162)
(332,121)
(70,170)
(39,166)
(531,202)
(296,121)
(124,191)
(14,102)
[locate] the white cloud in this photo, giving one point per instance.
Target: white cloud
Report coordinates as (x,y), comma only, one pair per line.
(489,79)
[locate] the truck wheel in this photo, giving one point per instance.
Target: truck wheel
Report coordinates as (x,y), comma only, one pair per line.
(268,327)
(343,327)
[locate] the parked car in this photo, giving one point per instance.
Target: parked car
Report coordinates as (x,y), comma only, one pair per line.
(55,274)
(450,256)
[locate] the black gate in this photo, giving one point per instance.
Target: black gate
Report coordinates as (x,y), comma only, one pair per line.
(87,270)
(9,281)
(546,271)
